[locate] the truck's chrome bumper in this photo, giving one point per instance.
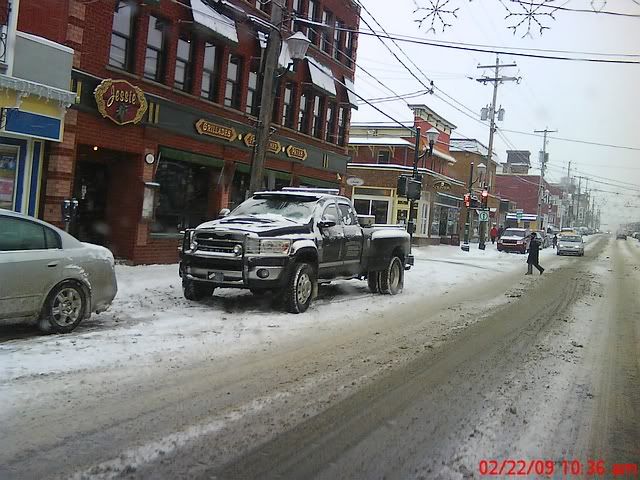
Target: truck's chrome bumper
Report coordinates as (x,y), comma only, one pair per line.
(232,278)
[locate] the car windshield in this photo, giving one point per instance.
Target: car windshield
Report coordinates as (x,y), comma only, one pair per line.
(509,232)
(275,207)
(571,239)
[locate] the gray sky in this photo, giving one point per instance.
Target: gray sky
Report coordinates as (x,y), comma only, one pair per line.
(586,101)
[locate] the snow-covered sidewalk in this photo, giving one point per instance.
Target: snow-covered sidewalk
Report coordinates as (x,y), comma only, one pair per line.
(151,322)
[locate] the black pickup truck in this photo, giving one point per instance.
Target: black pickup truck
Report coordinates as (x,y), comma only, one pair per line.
(287,242)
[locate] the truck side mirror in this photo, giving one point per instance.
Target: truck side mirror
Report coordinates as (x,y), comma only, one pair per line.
(224,212)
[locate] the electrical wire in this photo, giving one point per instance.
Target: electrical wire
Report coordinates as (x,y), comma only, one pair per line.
(573,140)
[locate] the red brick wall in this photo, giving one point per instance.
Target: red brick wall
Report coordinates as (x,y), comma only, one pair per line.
(44,18)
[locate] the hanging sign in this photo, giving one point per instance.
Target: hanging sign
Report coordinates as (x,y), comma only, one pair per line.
(250,141)
(204,127)
(120,102)
(297,152)
(355,181)
(441,185)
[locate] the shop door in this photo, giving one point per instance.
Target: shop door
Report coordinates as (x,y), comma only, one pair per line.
(91,189)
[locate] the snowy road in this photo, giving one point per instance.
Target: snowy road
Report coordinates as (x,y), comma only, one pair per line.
(473,361)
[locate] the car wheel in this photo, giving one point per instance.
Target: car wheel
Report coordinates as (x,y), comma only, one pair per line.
(373,281)
(392,277)
(194,290)
(300,289)
(64,308)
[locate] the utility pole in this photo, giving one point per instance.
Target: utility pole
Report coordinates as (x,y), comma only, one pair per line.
(579,188)
(593,213)
(568,191)
(269,83)
(496,80)
(543,167)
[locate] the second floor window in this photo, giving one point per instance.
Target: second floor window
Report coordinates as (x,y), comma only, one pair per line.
(232,87)
(121,51)
(342,125)
(287,106)
(316,127)
(252,94)
(210,69)
(330,124)
(303,114)
(384,156)
(348,48)
(297,8)
(338,35)
(183,64)
(325,41)
(154,56)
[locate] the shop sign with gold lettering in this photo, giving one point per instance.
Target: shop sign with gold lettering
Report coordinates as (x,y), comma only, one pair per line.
(205,127)
(250,141)
(441,185)
(120,102)
(297,152)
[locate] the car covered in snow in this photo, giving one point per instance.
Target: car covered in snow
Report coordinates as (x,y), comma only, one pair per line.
(287,242)
(49,276)
(570,245)
(514,240)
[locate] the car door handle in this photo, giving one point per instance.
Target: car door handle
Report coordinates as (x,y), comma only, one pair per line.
(52,264)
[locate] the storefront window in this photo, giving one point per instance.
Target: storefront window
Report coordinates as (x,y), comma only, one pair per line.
(183,196)
(8,168)
(444,221)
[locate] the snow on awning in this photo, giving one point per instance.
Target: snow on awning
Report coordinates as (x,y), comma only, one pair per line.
(221,25)
(443,156)
(353,99)
(322,77)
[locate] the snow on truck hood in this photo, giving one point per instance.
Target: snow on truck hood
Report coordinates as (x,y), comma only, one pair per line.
(260,226)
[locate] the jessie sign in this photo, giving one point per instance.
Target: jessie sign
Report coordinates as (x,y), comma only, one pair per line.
(120,102)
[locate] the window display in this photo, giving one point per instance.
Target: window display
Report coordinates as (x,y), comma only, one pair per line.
(8,173)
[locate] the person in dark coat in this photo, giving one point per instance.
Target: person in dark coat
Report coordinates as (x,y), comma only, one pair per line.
(534,254)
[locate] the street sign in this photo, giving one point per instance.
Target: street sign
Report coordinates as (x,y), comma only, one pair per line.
(519,215)
(483,216)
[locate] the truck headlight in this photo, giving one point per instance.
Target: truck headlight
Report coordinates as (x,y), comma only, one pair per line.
(192,240)
(275,247)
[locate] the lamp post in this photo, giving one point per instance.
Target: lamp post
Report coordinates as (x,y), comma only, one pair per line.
(467,225)
(432,136)
(293,48)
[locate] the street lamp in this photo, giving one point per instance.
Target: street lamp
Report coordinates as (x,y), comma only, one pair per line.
(482,168)
(287,51)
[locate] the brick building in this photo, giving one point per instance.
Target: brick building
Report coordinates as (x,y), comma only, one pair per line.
(523,189)
(380,154)
(167,94)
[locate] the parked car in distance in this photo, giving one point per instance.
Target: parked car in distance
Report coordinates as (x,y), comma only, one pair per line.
(287,242)
(514,240)
(49,276)
(570,245)
(568,231)
(621,235)
(544,238)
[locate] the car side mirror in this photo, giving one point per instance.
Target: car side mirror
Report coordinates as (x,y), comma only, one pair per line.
(224,212)
(327,223)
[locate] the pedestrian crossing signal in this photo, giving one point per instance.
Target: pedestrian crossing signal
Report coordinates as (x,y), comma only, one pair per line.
(467,200)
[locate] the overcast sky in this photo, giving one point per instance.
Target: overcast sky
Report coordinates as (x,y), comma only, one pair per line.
(586,101)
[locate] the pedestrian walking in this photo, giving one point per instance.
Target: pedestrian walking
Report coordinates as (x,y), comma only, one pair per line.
(555,241)
(500,231)
(534,255)
(493,233)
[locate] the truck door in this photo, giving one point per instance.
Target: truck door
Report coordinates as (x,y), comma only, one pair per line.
(332,239)
(353,238)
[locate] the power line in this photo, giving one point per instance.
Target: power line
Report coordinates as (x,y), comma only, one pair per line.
(573,140)
(582,10)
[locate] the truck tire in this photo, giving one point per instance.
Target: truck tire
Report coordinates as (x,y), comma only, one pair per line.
(194,290)
(392,278)
(300,288)
(373,281)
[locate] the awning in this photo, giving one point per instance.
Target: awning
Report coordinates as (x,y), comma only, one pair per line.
(318,183)
(444,156)
(168,153)
(221,25)
(322,77)
(353,98)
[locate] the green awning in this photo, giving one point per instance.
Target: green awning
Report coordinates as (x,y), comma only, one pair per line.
(318,183)
(190,157)
(243,167)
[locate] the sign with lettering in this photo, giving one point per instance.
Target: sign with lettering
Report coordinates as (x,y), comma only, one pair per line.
(250,141)
(441,185)
(204,127)
(297,152)
(120,102)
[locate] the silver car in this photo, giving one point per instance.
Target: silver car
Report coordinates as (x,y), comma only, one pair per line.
(49,276)
(570,245)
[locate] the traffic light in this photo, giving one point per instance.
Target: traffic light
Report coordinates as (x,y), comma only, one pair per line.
(485,198)
(467,200)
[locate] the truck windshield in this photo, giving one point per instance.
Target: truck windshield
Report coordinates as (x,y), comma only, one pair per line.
(513,233)
(572,239)
(297,209)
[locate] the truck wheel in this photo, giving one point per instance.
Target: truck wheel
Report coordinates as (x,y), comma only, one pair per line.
(300,288)
(194,290)
(373,281)
(392,277)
